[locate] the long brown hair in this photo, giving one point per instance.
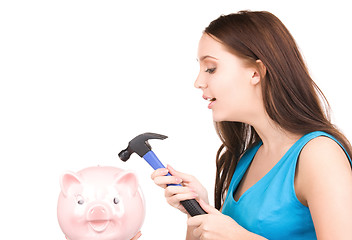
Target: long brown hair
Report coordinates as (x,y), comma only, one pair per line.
(291,98)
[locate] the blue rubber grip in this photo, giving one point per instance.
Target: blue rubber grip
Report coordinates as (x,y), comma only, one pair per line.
(153,160)
(191,205)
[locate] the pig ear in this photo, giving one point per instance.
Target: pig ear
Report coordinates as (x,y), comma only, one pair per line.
(68,182)
(127,180)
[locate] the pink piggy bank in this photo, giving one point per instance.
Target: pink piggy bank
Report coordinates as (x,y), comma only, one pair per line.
(103,203)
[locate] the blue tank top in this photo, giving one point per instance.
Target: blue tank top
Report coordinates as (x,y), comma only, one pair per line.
(270,208)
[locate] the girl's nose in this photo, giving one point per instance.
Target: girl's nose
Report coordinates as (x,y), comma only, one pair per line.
(200,83)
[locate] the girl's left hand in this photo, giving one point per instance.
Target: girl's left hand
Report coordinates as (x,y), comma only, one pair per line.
(215,225)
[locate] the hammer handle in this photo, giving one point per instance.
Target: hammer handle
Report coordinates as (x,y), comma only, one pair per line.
(191,205)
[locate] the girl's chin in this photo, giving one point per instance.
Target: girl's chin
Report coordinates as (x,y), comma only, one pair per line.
(218,118)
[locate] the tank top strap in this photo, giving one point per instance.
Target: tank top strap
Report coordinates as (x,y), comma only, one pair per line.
(299,145)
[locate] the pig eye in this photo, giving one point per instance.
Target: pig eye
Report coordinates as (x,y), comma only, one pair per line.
(116,200)
(80,200)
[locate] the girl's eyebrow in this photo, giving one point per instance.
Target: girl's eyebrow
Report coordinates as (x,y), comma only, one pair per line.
(206,56)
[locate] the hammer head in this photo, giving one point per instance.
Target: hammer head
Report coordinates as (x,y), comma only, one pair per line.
(139,145)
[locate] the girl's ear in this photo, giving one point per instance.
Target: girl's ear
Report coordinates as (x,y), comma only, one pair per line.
(259,72)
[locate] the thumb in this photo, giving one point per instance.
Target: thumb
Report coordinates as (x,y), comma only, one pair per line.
(183,176)
(209,209)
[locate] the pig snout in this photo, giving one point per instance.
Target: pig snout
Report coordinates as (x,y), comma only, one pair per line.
(98,218)
(98,213)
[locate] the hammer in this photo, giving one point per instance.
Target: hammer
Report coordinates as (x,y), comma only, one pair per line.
(141,146)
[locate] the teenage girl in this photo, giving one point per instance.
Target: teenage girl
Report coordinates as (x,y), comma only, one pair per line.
(283,170)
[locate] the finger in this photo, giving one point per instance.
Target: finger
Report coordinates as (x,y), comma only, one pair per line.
(163,181)
(159,172)
(197,232)
(209,209)
(195,221)
(185,177)
(174,195)
(171,191)
(177,199)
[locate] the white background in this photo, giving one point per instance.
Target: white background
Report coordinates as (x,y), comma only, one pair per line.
(79,79)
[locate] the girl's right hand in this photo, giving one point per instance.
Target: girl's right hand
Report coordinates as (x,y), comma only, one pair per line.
(191,187)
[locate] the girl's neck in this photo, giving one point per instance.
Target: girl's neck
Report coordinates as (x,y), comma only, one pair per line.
(274,137)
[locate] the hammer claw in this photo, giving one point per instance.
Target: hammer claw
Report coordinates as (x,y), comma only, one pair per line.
(139,145)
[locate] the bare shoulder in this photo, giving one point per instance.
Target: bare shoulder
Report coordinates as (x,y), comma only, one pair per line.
(321,164)
(323,150)
(323,182)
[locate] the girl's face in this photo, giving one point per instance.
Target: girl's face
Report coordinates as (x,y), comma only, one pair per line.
(230,87)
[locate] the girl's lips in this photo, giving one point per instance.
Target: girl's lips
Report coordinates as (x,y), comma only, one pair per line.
(211,99)
(211,103)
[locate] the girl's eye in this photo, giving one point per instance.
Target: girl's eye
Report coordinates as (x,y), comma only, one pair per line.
(210,70)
